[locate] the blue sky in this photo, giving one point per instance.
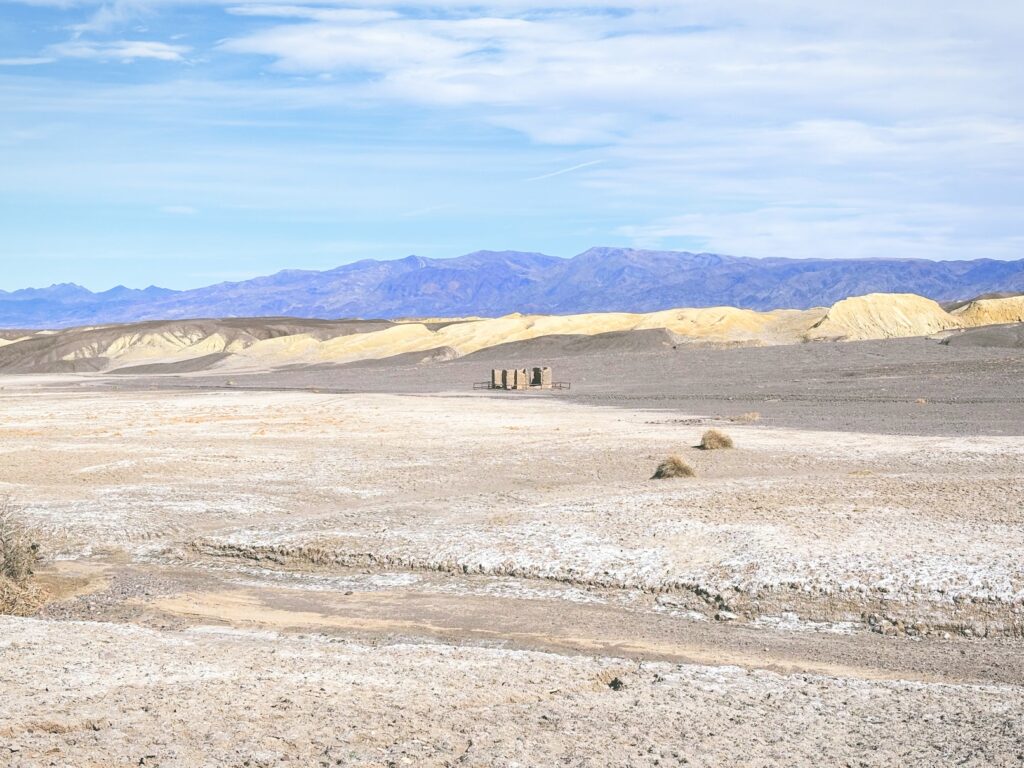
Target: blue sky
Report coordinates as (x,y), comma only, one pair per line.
(184,143)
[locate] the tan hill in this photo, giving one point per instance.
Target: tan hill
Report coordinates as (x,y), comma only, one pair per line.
(882,316)
(108,347)
(267,343)
(720,325)
(991,311)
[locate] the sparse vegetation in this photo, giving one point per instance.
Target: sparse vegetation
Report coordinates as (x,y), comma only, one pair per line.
(714,439)
(746,418)
(18,556)
(673,466)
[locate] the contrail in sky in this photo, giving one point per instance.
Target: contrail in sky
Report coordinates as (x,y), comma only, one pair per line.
(565,170)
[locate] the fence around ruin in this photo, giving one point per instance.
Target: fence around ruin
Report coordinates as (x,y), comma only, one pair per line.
(556,385)
(522,379)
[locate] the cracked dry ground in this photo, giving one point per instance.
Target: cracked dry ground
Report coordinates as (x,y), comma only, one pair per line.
(268,578)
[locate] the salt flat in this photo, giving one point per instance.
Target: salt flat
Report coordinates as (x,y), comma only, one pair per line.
(124,695)
(277,553)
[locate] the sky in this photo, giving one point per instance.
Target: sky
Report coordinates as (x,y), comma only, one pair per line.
(182,143)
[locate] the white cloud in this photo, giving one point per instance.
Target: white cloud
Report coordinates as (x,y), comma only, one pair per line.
(755,127)
(319,13)
(26,61)
(856,229)
(400,46)
(109,16)
(179,210)
(742,63)
(122,50)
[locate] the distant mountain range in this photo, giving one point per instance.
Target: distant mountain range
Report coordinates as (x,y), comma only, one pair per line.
(488,283)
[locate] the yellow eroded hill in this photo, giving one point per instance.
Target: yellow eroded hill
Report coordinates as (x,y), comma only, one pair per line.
(875,316)
(711,325)
(882,316)
(991,312)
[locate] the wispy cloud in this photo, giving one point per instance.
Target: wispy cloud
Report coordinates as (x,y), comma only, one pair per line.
(120,50)
(850,228)
(26,61)
(179,210)
(123,50)
(110,15)
(794,127)
(317,13)
(563,171)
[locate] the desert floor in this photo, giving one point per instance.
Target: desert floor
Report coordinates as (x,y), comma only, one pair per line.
(862,386)
(248,577)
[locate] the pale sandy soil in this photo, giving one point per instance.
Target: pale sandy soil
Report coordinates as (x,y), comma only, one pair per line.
(378,579)
(121,695)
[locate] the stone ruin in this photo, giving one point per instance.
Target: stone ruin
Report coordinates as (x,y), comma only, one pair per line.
(521,378)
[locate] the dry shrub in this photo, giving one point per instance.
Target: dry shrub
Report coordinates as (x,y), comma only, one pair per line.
(673,466)
(713,439)
(747,418)
(18,556)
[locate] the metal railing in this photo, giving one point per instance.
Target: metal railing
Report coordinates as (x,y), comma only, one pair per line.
(559,385)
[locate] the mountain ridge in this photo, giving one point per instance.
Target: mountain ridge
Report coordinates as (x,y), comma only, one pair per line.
(495,283)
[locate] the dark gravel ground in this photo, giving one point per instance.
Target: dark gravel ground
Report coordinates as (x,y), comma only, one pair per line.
(899,386)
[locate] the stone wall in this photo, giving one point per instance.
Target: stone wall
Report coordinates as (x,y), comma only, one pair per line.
(521,378)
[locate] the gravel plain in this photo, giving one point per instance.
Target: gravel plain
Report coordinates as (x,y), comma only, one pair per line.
(914,386)
(245,576)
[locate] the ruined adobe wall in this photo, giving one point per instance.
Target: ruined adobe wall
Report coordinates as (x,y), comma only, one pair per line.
(521,378)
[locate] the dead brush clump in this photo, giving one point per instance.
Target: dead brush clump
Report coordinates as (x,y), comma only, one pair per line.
(714,440)
(18,557)
(746,418)
(673,466)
